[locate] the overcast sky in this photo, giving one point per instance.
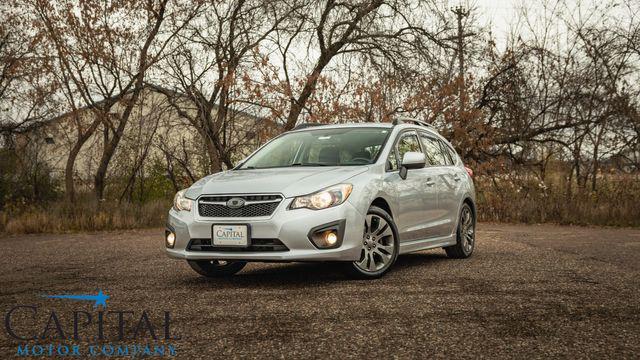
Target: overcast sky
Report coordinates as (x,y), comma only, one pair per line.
(497,13)
(501,14)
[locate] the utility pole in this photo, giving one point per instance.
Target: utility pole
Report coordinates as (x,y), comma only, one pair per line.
(461,13)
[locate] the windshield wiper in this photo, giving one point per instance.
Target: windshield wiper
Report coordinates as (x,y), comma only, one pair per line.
(294,164)
(308,164)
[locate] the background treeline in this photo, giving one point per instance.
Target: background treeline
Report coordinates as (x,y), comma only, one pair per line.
(545,111)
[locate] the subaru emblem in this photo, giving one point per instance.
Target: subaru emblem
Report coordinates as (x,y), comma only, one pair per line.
(235,203)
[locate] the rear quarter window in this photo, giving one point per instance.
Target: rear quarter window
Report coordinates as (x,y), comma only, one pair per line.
(451,155)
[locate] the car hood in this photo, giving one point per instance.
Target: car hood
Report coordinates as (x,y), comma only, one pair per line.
(291,181)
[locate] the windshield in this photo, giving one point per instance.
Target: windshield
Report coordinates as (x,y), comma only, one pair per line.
(321,147)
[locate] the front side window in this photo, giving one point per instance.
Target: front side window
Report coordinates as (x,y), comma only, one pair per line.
(408,143)
(321,147)
(392,161)
(433,151)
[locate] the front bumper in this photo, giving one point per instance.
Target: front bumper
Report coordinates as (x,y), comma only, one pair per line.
(291,227)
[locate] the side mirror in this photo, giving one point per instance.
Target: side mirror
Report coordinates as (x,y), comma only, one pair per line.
(411,160)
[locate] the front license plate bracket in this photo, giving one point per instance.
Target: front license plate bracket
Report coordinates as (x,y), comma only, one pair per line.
(231,235)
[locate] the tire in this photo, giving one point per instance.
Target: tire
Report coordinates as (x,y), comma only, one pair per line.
(380,246)
(465,235)
(216,268)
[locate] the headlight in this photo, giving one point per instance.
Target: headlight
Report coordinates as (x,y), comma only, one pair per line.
(180,202)
(332,196)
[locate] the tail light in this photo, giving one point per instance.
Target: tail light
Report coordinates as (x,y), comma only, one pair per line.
(469,171)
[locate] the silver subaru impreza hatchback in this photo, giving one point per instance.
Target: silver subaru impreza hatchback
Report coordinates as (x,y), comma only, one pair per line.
(356,194)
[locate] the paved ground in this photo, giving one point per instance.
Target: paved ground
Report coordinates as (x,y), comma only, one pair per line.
(534,291)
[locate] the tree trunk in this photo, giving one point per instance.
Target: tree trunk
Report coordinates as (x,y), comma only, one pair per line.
(170,172)
(110,149)
(309,87)
(68,171)
(596,166)
(101,172)
(570,184)
(220,128)
(596,156)
(73,154)
(214,159)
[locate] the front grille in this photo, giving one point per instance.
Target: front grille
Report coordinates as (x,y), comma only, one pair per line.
(255,206)
(222,211)
(257,245)
(225,198)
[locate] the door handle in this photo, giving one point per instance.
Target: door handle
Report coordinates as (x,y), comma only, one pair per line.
(430,182)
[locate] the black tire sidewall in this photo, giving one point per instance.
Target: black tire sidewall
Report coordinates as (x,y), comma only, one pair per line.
(202,268)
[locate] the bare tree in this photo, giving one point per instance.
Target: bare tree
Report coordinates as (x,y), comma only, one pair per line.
(101,65)
(207,61)
(25,91)
(375,29)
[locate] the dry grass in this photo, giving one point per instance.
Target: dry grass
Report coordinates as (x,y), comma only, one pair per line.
(507,199)
(614,203)
(61,217)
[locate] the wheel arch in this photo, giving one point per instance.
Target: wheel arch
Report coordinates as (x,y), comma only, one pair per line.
(382,203)
(468,200)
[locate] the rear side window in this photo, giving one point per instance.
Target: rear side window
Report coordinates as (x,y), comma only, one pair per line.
(448,152)
(432,151)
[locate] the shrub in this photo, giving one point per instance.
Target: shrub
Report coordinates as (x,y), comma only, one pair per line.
(25,180)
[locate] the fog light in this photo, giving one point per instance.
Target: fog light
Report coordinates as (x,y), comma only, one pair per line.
(170,239)
(328,236)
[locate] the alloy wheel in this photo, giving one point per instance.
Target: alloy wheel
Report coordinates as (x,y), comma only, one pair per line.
(467,230)
(378,245)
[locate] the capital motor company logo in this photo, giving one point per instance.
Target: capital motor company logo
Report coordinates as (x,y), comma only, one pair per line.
(39,331)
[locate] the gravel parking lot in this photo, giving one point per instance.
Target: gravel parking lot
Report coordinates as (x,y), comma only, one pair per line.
(529,291)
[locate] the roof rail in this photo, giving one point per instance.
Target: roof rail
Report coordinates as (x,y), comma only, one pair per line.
(408,120)
(307,125)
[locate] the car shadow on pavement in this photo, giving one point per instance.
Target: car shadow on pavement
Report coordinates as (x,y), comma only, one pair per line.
(276,275)
(423,258)
(308,274)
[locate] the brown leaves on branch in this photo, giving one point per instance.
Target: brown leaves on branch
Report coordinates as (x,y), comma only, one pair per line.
(562,88)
